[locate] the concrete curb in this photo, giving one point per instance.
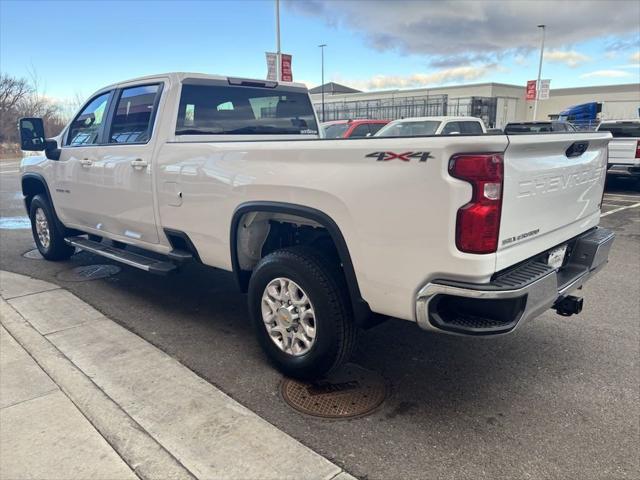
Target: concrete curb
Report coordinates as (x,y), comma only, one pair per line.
(161,418)
(137,448)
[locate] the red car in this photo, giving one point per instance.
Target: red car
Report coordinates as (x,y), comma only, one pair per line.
(352,128)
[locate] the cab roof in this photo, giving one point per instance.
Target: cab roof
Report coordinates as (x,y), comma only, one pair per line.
(181,76)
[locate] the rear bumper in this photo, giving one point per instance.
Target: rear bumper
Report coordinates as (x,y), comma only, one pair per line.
(513,296)
(624,170)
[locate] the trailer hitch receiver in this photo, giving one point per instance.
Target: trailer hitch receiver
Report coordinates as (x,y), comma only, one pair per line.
(569,305)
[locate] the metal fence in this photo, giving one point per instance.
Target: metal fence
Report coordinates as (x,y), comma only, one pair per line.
(405,107)
(385,109)
(481,107)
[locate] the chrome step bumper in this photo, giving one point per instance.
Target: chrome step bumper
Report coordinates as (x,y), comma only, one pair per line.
(514,296)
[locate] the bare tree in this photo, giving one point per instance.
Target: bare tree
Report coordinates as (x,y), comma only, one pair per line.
(12,91)
(20,97)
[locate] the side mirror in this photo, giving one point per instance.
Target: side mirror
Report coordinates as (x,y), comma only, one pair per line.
(32,137)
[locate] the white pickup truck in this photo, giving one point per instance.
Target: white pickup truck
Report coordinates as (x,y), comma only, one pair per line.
(464,234)
(421,126)
(624,148)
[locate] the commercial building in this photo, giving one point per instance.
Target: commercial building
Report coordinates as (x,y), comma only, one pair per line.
(496,103)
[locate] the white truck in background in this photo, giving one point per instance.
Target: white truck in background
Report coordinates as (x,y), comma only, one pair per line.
(421,126)
(624,147)
(461,234)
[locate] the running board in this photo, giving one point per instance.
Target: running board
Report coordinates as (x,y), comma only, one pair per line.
(147,264)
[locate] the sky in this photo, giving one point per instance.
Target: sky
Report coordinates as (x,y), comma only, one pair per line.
(76,47)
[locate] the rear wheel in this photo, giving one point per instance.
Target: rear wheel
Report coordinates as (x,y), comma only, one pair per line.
(46,233)
(301,313)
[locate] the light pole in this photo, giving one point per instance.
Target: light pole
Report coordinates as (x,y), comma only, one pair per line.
(278,54)
(322,85)
(535,104)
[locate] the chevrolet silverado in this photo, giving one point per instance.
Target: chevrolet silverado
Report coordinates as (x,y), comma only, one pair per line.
(467,234)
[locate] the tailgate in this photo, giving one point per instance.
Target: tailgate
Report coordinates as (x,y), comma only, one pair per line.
(551,192)
(623,151)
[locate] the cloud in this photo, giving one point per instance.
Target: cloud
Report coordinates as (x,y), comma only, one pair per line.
(570,58)
(449,75)
(455,32)
(624,42)
(633,66)
(606,74)
(635,57)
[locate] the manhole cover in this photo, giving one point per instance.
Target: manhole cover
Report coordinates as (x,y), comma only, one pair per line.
(350,392)
(34,254)
(88,272)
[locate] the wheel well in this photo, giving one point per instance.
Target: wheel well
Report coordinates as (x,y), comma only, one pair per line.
(259,229)
(32,186)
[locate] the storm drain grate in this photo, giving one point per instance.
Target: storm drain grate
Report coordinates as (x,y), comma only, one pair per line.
(87,272)
(33,254)
(351,392)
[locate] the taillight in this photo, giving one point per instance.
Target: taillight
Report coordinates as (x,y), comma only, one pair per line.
(478,222)
(638,149)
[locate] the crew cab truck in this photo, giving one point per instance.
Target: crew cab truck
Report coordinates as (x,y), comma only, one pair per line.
(461,234)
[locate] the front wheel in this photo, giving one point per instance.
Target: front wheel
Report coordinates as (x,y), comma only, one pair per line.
(301,313)
(46,234)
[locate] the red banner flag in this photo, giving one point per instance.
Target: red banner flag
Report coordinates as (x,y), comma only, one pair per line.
(285,69)
(531,89)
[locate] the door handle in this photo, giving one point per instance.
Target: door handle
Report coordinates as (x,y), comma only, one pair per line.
(139,163)
(85,162)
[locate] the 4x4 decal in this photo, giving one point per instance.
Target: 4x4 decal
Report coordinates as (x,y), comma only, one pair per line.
(405,157)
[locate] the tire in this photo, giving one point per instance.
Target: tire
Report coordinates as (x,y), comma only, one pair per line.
(52,245)
(335,332)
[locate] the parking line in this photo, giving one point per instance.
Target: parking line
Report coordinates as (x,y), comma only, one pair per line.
(622,195)
(620,209)
(9,171)
(620,200)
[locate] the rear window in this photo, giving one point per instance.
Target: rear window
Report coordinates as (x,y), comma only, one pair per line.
(408,129)
(471,128)
(374,127)
(335,130)
(622,130)
(230,110)
(523,128)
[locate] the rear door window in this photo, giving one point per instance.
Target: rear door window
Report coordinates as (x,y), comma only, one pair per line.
(86,128)
(621,130)
(239,110)
(133,118)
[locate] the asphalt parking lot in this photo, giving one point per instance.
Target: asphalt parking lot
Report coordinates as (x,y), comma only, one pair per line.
(558,399)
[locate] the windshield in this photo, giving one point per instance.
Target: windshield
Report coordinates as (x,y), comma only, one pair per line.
(408,129)
(230,110)
(621,130)
(335,130)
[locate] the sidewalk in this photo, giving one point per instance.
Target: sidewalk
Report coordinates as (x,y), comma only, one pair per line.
(82,397)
